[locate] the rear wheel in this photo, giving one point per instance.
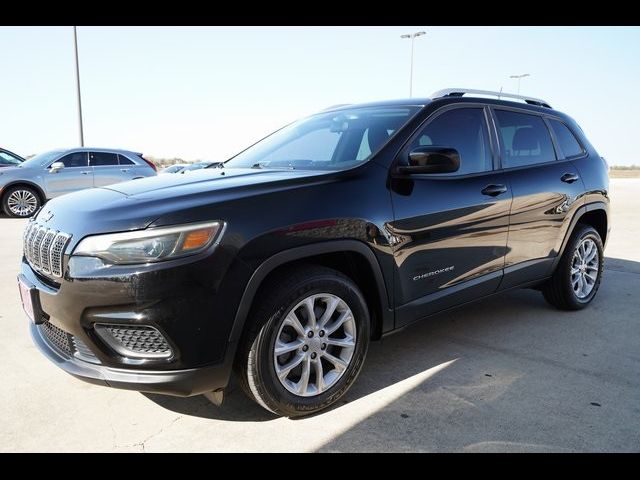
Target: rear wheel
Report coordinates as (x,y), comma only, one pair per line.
(21,201)
(577,278)
(306,343)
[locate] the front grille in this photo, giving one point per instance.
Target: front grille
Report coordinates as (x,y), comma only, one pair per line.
(67,343)
(135,341)
(44,248)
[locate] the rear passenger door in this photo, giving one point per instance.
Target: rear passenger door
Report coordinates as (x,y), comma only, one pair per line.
(106,168)
(546,194)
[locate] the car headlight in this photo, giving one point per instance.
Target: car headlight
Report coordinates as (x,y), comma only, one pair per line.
(152,245)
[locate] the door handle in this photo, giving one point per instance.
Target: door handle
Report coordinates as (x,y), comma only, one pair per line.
(569,177)
(125,170)
(493,190)
(85,173)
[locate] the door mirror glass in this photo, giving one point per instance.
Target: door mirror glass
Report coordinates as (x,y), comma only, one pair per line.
(431,159)
(56,167)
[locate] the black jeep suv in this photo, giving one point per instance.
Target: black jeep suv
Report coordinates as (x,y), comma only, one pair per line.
(284,262)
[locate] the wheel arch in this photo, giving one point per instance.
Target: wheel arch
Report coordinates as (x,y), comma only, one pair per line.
(360,262)
(26,183)
(593,214)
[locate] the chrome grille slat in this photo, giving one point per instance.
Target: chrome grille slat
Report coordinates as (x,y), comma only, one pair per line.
(44,248)
(57,253)
(29,249)
(37,241)
(45,257)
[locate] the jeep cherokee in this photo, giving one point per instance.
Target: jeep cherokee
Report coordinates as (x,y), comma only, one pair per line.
(282,263)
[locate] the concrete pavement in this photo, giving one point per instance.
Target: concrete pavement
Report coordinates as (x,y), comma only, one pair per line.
(505,374)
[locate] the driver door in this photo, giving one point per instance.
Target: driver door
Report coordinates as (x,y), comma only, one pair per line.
(450,229)
(76,175)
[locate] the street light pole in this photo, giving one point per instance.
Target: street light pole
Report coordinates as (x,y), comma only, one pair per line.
(519,77)
(75,44)
(412,36)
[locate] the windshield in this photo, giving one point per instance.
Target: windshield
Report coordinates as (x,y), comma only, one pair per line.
(326,141)
(41,159)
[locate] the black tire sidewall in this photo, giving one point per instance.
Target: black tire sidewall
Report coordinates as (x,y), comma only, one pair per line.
(278,396)
(583,234)
(5,201)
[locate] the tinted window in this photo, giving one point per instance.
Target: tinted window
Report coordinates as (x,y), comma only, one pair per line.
(8,159)
(463,129)
(525,139)
(78,159)
(567,140)
(100,159)
(124,160)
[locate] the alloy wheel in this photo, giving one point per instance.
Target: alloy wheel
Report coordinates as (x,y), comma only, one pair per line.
(314,345)
(22,203)
(585,265)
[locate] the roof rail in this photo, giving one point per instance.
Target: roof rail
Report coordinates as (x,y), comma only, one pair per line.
(459,92)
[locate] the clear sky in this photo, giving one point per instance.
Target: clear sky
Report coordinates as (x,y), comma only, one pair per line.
(205,93)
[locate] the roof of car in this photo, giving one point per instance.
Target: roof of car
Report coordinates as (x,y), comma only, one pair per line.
(453,95)
(97,149)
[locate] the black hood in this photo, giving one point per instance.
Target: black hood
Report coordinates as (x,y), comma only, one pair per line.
(137,204)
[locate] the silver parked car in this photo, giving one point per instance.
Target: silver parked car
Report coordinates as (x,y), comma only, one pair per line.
(25,187)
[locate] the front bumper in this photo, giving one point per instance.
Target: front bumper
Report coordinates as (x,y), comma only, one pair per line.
(182,383)
(192,302)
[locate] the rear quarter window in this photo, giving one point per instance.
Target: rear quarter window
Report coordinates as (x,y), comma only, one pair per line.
(567,141)
(124,160)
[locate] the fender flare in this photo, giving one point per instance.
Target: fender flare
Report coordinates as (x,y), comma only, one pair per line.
(590,207)
(300,253)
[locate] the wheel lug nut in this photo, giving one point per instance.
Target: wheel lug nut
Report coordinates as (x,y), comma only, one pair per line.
(324,345)
(321,333)
(305,348)
(314,355)
(310,334)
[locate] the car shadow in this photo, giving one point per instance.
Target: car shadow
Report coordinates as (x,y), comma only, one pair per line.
(501,324)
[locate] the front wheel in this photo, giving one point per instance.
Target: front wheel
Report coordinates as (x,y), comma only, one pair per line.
(21,201)
(306,343)
(578,275)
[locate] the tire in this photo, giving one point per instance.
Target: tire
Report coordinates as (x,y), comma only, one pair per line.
(561,291)
(21,201)
(271,321)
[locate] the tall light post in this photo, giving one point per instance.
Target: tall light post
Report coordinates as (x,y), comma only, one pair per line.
(519,77)
(412,36)
(75,44)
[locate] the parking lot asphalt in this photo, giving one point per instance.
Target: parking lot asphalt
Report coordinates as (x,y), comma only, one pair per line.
(504,374)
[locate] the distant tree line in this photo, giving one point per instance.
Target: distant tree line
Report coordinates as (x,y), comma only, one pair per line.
(166,162)
(625,167)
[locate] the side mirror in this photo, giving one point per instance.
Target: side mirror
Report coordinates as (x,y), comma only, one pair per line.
(431,159)
(56,167)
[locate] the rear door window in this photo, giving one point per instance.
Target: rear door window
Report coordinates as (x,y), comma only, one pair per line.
(103,159)
(524,139)
(124,160)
